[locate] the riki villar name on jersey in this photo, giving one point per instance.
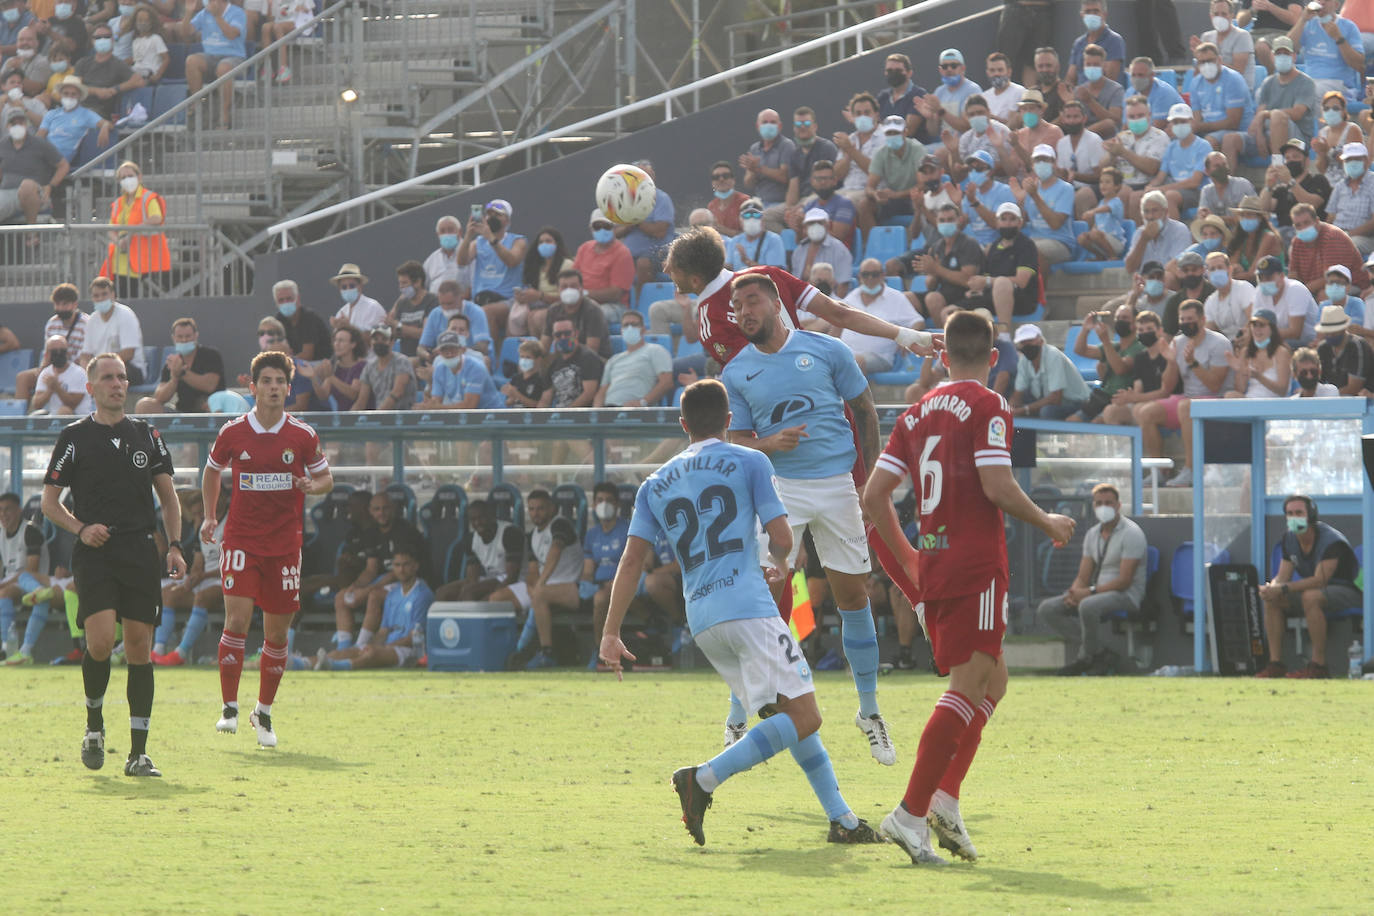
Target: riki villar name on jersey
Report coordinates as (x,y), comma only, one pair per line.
(721,466)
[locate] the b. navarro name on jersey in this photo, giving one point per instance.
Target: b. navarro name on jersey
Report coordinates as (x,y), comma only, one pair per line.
(264,482)
(950,402)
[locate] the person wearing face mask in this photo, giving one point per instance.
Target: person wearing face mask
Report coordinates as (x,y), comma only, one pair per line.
(819,246)
(191,374)
(528,383)
(932,192)
(306,331)
(67,321)
(1351,206)
(639,376)
(948,266)
(1080,154)
(66,125)
(1100,96)
(1224,194)
(1228,307)
(1235,46)
(943,109)
(1111,578)
(358,310)
(461,381)
(453,306)
(1263,365)
(1316,246)
(984,134)
(1159,238)
(61,385)
(133,256)
(112,327)
(756,245)
(1284,104)
(873,295)
(606,264)
(1048,203)
(1148,290)
(105,75)
(1181,169)
(1210,233)
(1316,575)
(1223,106)
(1095,32)
(1337,131)
(1347,360)
(574,370)
(336,380)
(33,67)
(1055,91)
(1307,372)
(14,18)
(808,149)
(544,261)
(1003,95)
(442,263)
(1160,94)
(147,51)
(1010,286)
(768,167)
(67,30)
(602,547)
(982,196)
(726,199)
(388,379)
(1254,238)
(1037,130)
(899,98)
(843,213)
(892,176)
(578,309)
(1331,49)
(857,147)
(412,307)
(30,168)
(1048,385)
(1289,300)
(497,256)
(12,91)
(1146,369)
(1292,183)
(1114,354)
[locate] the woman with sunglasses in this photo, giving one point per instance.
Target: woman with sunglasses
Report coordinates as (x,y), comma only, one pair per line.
(1263,364)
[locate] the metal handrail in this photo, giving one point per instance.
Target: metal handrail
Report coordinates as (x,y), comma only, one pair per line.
(663,98)
(810,11)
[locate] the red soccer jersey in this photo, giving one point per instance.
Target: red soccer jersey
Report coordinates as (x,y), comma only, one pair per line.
(941,441)
(268,509)
(721,337)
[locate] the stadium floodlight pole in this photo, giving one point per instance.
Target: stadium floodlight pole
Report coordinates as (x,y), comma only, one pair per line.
(662,98)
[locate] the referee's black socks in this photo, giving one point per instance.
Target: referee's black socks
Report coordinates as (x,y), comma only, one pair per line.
(140,693)
(96,676)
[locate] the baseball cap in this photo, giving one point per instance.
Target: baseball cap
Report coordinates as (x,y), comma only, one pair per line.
(449,339)
(1354,151)
(980,155)
(1191,258)
(1151,267)
(752,205)
(501,205)
(1265,313)
(951,54)
(1294,143)
(1179,112)
(1281,43)
(1340,269)
(893,124)
(1026,332)
(16,114)
(1269,264)
(383,331)
(816,215)
(1009,207)
(1042,151)
(598,217)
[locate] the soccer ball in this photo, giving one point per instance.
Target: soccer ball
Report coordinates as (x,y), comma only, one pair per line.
(626,194)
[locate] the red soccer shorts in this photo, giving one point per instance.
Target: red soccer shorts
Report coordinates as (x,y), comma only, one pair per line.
(274,583)
(965,624)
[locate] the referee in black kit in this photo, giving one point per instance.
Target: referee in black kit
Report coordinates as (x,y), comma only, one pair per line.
(112,464)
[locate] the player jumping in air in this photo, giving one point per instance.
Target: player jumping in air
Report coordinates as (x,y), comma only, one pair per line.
(275,460)
(705,500)
(955,444)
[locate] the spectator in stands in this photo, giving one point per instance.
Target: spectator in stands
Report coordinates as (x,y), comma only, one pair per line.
(1351,205)
(1330,48)
(133,257)
(491,552)
(442,263)
(899,98)
(1227,309)
(497,256)
(1010,286)
(1339,293)
(1160,238)
(1318,245)
(544,261)
(1080,156)
(1038,130)
(306,331)
(725,198)
(757,244)
(1147,370)
(891,176)
(398,611)
(1347,360)
(1101,96)
(272,337)
(1159,94)
(1253,239)
(287,15)
(67,124)
(768,167)
(554,567)
(191,374)
(461,381)
(388,379)
(857,148)
(1210,233)
(948,267)
(1235,46)
(843,214)
(1292,183)
(680,310)
(1025,26)
(984,134)
(822,277)
(106,76)
(1107,237)
(358,310)
(574,372)
(639,376)
(61,69)
(820,245)
(1048,385)
(1096,32)
(1000,377)
(526,388)
(149,56)
(1284,104)
(1307,371)
(1110,579)
(982,196)
(1003,95)
(451,304)
(1201,361)
(1054,91)
(1149,290)
(61,386)
(412,307)
(30,168)
(648,241)
(1290,301)
(14,18)
(67,322)
(389,534)
(67,32)
(1115,357)
(112,327)
(1181,170)
(606,264)
(1226,191)
(943,109)
(808,149)
(1337,131)
(588,320)
(12,90)
(1222,105)
(1263,365)
(873,295)
(602,547)
(222,29)
(337,381)
(1190,274)
(1316,575)
(1268,22)
(1048,203)
(932,192)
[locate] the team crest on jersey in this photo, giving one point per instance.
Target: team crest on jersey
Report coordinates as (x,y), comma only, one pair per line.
(288,456)
(140,459)
(997,432)
(720,349)
(228,581)
(805,362)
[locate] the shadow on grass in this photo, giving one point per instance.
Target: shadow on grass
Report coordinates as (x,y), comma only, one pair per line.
(117,785)
(823,861)
(275,758)
(1046,883)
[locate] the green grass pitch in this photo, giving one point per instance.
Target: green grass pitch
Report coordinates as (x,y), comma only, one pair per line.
(415,792)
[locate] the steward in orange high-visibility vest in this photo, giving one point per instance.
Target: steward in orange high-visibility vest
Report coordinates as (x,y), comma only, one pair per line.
(135,255)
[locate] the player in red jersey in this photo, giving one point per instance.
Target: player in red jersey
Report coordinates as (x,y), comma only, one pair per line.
(955,444)
(276,460)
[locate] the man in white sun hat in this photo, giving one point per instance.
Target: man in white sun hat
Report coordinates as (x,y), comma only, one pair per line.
(820,246)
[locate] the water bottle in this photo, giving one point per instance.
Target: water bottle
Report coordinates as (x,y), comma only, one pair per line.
(1356,659)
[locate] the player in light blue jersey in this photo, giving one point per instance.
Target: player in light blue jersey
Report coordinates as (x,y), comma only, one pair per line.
(706,500)
(788,393)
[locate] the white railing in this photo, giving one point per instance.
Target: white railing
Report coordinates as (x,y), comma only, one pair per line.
(664,99)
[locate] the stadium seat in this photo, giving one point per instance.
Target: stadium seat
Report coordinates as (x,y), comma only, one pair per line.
(153,359)
(918,284)
(329,518)
(444,522)
(1081,263)
(509,363)
(628,492)
(686,348)
(1181,575)
(789,239)
(13,407)
(884,242)
(905,370)
(177,53)
(11,364)
(570,502)
(404,498)
(1030,317)
(856,247)
(1126,619)
(895,283)
(663,340)
(166,96)
(507,503)
(1086,366)
(617,344)
(650,293)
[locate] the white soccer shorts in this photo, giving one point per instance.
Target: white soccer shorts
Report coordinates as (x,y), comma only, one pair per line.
(830,506)
(758,659)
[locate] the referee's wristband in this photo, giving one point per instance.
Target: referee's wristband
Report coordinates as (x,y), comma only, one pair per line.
(82,529)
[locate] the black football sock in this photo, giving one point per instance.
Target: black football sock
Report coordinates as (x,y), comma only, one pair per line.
(96,677)
(140,693)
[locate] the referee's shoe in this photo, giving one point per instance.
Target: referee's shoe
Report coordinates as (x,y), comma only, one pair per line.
(141,765)
(93,749)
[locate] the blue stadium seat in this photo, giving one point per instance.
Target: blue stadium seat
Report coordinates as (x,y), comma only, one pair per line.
(918,284)
(789,239)
(884,242)
(13,407)
(895,283)
(1181,574)
(177,53)
(153,359)
(663,340)
(329,521)
(1081,265)
(677,396)
(1168,76)
(507,503)
(404,498)
(1030,317)
(687,348)
(444,522)
(11,364)
(167,96)
(617,344)
(570,501)
(1086,366)
(1261,72)
(904,371)
(89,148)
(650,293)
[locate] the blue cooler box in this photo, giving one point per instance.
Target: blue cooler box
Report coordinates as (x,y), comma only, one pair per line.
(470,635)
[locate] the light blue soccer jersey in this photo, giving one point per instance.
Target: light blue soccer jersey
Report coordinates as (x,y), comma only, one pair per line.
(405,612)
(807,382)
(706,500)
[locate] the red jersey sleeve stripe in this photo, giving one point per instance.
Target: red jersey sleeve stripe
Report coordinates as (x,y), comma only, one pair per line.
(895,465)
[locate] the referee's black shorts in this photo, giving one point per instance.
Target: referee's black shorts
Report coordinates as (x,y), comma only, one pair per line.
(125,573)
